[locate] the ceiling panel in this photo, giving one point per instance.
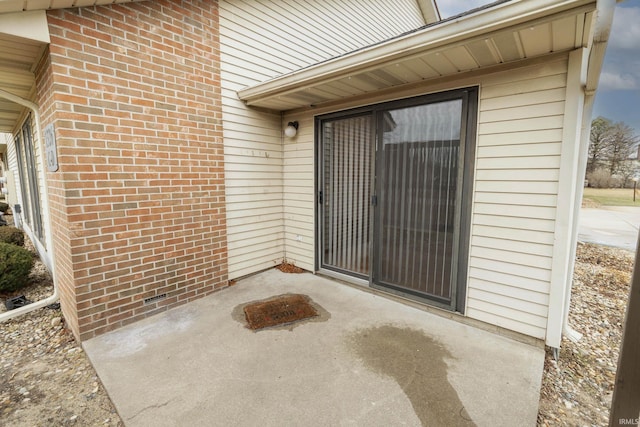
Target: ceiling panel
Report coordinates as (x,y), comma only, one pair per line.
(18,57)
(440,63)
(484,52)
(460,58)
(38,4)
(420,68)
(508,44)
(12,6)
(536,40)
(402,72)
(564,31)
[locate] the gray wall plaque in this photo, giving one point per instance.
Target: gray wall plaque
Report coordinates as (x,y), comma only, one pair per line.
(50,148)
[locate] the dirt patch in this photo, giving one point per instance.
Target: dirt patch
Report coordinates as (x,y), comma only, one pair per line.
(287,267)
(417,363)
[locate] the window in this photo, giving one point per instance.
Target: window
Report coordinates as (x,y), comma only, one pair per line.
(29,185)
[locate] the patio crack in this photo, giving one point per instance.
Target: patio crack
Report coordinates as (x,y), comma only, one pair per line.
(156,406)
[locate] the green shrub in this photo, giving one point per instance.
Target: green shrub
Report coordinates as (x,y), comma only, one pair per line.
(4,207)
(12,235)
(15,265)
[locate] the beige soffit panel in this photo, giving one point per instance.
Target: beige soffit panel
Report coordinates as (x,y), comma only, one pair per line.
(23,38)
(12,6)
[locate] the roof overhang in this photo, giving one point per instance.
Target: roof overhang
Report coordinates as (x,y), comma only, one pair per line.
(24,36)
(12,6)
(505,32)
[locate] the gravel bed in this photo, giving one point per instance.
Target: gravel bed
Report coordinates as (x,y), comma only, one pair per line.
(46,379)
(577,389)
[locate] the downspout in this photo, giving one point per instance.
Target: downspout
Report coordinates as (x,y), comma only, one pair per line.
(602,29)
(49,235)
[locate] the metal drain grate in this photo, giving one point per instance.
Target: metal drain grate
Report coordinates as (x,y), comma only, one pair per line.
(279,310)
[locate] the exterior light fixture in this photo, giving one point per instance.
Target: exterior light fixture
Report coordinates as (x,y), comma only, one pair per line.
(291,129)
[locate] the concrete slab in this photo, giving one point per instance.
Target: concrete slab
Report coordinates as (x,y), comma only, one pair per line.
(610,226)
(367,360)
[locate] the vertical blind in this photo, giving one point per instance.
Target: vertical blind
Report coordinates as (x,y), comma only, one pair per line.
(418,194)
(346,190)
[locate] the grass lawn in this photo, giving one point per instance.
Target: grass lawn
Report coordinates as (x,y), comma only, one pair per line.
(594,197)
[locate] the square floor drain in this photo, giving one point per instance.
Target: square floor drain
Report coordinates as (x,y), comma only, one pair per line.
(279,310)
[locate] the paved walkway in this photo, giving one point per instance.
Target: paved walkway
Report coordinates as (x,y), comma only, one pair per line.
(611,226)
(366,360)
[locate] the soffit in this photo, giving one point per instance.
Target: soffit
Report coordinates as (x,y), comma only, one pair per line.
(18,58)
(10,6)
(23,38)
(506,33)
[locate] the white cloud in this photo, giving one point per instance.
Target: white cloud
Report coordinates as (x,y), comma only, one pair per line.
(621,70)
(625,31)
(616,81)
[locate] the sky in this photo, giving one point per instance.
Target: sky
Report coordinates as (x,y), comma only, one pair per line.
(618,93)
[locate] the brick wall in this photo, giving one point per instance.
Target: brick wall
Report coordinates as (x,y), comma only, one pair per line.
(57,212)
(138,203)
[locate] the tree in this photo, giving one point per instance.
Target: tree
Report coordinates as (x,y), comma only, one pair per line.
(611,148)
(599,142)
(627,170)
(622,144)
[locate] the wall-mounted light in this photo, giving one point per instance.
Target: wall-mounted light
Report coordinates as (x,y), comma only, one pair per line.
(291,129)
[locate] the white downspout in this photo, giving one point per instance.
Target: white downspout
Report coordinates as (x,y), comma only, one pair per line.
(49,234)
(604,17)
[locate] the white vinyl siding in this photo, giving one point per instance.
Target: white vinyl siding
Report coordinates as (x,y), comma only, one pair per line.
(12,165)
(517,171)
(260,40)
(518,147)
(299,196)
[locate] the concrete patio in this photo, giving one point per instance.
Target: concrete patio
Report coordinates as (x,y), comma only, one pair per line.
(367,360)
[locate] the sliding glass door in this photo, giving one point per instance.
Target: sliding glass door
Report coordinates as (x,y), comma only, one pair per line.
(394,194)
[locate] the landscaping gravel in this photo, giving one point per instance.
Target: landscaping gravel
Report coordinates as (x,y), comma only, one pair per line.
(577,389)
(46,379)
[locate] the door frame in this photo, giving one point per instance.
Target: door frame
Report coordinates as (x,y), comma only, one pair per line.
(470,97)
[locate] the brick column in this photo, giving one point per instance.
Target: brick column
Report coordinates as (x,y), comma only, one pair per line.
(138,203)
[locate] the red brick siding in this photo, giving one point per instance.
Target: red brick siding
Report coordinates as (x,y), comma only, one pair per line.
(63,260)
(140,190)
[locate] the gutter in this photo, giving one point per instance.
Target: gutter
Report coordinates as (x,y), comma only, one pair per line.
(601,31)
(49,234)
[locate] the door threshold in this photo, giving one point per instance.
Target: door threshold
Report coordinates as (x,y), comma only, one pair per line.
(346,278)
